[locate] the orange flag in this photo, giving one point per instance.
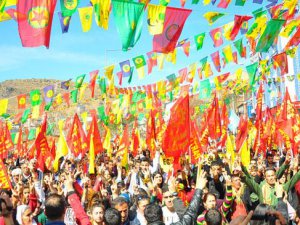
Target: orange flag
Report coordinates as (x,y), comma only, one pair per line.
(151,133)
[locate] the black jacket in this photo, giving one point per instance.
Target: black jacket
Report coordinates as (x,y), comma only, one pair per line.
(190,216)
(156,223)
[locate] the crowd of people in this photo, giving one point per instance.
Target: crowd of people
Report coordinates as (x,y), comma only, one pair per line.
(212,192)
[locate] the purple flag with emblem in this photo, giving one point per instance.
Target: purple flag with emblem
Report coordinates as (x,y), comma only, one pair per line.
(48,93)
(125,68)
(64,22)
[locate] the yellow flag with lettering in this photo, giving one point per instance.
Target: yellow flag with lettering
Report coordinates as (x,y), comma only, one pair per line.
(86,15)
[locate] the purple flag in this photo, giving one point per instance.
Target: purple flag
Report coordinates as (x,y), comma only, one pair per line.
(258,1)
(48,93)
(64,22)
(125,68)
(65,84)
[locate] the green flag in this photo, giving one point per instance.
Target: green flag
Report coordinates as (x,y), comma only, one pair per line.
(2,5)
(199,39)
(240,2)
(129,21)
(138,95)
(25,115)
(239,46)
(139,61)
(79,80)
(13,137)
(195,1)
(102,85)
(35,97)
(47,107)
(74,94)
(203,62)
(171,96)
(131,73)
(205,89)
(50,129)
(271,32)
(68,7)
(251,70)
(101,112)
(32,134)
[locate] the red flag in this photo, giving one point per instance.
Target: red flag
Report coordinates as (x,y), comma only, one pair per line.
(214,120)
(124,143)
(216,60)
(35,30)
(195,144)
(4,178)
(235,57)
(258,144)
(280,60)
(94,130)
(216,36)
(66,97)
(19,143)
(295,40)
(9,145)
(76,138)
(53,149)
(176,139)
(238,21)
(22,101)
(42,146)
(135,138)
(241,133)
(151,133)
(93,77)
(173,25)
(182,75)
(224,4)
(286,122)
(120,76)
(225,122)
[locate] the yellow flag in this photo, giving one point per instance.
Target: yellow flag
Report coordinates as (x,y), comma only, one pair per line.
(61,150)
(160,61)
(92,156)
(10,3)
(227,53)
(141,72)
(290,5)
(4,16)
(124,161)
(108,71)
(156,18)
(171,57)
(289,28)
(84,117)
(86,15)
(35,112)
(58,99)
(245,154)
(230,154)
(192,71)
(261,23)
(106,143)
(102,12)
(227,30)
(206,2)
(82,90)
(207,70)
(3,106)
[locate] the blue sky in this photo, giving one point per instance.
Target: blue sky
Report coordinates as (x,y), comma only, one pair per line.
(76,53)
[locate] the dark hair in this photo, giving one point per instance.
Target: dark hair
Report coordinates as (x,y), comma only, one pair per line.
(270,168)
(260,210)
(153,213)
(213,217)
(112,217)
(208,194)
(119,201)
(215,163)
(55,206)
(140,198)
